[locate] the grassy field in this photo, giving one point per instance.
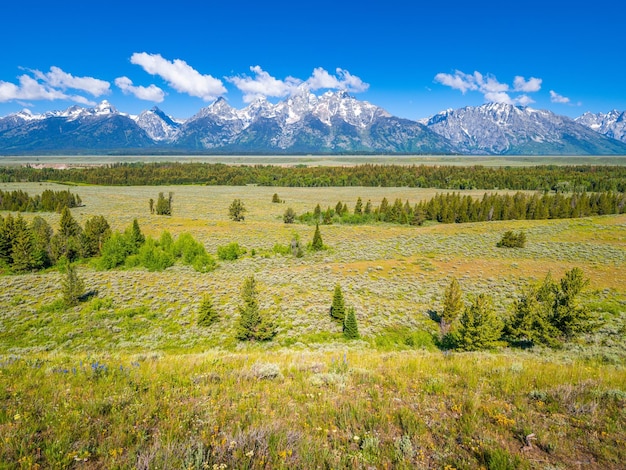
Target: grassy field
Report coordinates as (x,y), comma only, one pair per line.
(128,380)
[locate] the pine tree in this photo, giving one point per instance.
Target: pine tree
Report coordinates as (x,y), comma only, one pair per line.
(317,244)
(252,326)
(237,210)
(531,319)
(452,305)
(338,307)
(479,327)
(289,216)
(68,227)
(207,315)
(22,247)
(134,233)
(164,206)
(350,327)
(97,231)
(358,208)
(568,316)
(73,287)
(42,234)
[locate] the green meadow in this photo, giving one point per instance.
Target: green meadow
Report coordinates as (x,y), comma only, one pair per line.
(128,379)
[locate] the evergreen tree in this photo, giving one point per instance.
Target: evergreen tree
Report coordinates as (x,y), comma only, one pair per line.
(479,327)
(568,316)
(252,326)
(338,307)
(73,287)
(151,204)
(276,199)
(68,227)
(317,244)
(22,247)
(237,210)
(530,321)
(290,216)
(452,305)
(350,327)
(368,208)
(134,234)
(42,234)
(164,206)
(97,231)
(207,315)
(358,208)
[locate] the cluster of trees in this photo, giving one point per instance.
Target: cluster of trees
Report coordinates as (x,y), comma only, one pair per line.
(456,208)
(163,204)
(131,248)
(343,315)
(48,201)
(547,314)
(511,239)
(32,246)
(540,178)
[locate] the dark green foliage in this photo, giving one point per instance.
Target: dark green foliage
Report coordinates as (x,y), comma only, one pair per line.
(68,241)
(41,234)
(22,247)
(452,305)
(276,199)
(135,235)
(338,307)
(230,252)
(350,327)
(207,314)
(49,201)
(97,231)
(153,257)
(163,205)
(289,217)
(252,325)
(512,240)
(73,287)
(237,210)
(479,327)
(551,313)
(115,250)
(598,178)
(317,244)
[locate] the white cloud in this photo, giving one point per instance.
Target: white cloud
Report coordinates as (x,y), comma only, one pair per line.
(57,78)
(498,97)
(29,89)
(263,84)
(532,85)
(556,98)
(150,93)
(180,76)
(490,87)
(344,80)
(459,81)
(524,100)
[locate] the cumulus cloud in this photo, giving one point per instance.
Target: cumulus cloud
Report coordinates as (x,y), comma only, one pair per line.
(344,80)
(30,89)
(556,98)
(59,79)
(180,76)
(262,84)
(150,93)
(532,85)
(490,87)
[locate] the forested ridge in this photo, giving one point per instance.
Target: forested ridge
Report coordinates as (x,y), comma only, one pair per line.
(541,177)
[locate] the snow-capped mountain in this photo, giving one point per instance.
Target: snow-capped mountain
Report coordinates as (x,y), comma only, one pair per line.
(333,122)
(158,125)
(503,129)
(611,124)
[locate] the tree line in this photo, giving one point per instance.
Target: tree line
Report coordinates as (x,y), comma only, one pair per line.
(538,178)
(48,201)
(457,208)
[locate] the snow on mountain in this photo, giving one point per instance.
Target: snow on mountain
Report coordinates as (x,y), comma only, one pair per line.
(158,125)
(611,124)
(498,128)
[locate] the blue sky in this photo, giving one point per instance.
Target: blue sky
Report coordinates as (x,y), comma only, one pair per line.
(411,58)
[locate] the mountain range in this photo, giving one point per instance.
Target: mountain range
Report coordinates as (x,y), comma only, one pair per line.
(332,123)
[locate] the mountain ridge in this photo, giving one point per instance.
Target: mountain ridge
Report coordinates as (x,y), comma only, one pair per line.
(333,122)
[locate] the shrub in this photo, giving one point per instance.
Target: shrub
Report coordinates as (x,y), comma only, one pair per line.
(230,252)
(479,328)
(207,315)
(512,240)
(237,210)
